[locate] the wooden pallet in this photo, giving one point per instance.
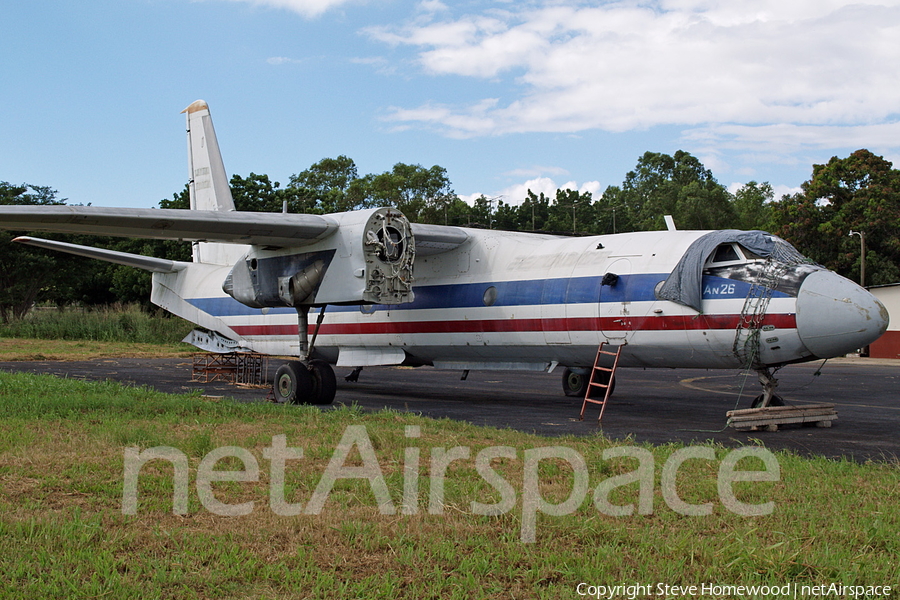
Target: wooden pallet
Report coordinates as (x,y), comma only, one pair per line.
(770,417)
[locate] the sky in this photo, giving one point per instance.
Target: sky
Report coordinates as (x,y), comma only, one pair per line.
(506,95)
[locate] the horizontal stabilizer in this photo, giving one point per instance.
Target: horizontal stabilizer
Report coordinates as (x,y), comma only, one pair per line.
(148,263)
(264,229)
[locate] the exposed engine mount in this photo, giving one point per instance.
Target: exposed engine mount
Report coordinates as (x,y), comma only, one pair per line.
(367,260)
(389,249)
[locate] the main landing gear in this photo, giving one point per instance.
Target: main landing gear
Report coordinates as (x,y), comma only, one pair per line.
(305,381)
(575,381)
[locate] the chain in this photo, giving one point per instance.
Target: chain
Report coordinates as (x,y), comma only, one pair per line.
(746,339)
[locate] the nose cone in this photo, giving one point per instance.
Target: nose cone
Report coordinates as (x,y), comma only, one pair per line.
(835,316)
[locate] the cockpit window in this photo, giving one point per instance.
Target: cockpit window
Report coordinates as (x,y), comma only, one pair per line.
(751,255)
(725,253)
(731,254)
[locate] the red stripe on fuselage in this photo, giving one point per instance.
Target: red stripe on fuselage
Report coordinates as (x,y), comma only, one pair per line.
(625,323)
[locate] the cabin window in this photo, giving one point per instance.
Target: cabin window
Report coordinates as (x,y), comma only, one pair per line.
(490,296)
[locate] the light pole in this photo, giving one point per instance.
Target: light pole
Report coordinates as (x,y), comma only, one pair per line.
(862,255)
(490,202)
(573,207)
(613,209)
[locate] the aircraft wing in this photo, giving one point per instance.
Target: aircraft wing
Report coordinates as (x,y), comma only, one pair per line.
(261,229)
(265,229)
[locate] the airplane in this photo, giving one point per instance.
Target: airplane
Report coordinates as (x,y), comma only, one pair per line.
(385,291)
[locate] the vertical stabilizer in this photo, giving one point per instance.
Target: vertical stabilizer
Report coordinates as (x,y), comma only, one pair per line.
(208,183)
(208,180)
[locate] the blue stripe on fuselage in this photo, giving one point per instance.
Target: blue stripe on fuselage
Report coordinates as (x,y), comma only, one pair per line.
(526,292)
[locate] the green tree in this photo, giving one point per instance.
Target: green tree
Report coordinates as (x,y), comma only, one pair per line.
(534,212)
(462,214)
(180,200)
(676,185)
(256,193)
(25,272)
(480,214)
(423,195)
(507,217)
(859,193)
(20,194)
(572,212)
(331,185)
(31,275)
(753,206)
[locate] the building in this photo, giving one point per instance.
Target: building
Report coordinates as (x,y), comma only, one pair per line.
(888,345)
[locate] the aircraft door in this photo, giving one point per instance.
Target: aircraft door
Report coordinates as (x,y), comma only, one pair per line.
(615,304)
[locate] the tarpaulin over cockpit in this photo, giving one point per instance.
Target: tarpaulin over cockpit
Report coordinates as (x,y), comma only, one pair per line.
(684,284)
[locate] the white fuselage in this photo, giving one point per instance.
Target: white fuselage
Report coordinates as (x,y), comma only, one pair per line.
(510,300)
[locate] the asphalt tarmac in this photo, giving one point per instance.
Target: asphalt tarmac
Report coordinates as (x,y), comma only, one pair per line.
(657,406)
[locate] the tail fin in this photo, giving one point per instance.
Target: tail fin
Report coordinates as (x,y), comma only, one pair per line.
(209,182)
(208,185)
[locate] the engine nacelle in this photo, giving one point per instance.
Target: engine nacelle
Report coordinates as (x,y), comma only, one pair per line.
(367,260)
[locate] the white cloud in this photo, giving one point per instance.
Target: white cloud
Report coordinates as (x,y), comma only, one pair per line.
(380,64)
(516,193)
(809,71)
(282,60)
(432,6)
(306,8)
(775,138)
(782,190)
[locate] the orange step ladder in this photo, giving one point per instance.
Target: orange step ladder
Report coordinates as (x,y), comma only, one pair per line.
(599,374)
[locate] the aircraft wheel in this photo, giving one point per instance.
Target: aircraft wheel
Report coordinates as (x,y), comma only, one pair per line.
(775,401)
(599,392)
(574,385)
(293,383)
(324,383)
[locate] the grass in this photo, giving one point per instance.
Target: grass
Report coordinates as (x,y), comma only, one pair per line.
(12,349)
(117,323)
(63,533)
(79,334)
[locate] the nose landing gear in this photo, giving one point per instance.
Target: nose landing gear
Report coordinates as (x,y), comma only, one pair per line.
(768,397)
